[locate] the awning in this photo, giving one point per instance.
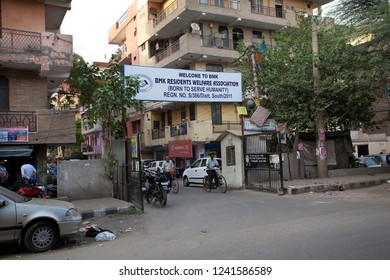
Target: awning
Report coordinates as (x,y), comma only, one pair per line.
(15,151)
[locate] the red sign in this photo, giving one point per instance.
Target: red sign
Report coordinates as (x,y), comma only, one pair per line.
(180,148)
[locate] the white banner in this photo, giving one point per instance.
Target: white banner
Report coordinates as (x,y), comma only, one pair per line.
(165,84)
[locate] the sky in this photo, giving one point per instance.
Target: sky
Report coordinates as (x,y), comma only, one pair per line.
(89,22)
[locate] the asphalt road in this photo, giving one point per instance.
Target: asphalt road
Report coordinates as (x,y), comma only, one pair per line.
(241,225)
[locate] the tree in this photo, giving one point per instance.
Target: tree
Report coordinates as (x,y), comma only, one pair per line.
(107,94)
(286,75)
(370,20)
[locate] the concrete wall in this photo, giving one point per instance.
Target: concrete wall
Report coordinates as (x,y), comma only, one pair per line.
(234,174)
(83,179)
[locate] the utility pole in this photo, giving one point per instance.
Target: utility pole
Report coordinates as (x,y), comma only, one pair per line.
(322,166)
(254,70)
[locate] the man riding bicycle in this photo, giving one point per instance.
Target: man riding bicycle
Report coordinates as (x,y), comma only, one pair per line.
(211,169)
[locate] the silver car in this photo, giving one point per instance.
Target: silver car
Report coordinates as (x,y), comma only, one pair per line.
(36,223)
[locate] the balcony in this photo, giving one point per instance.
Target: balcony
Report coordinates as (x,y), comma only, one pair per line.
(179,129)
(268,11)
(50,54)
(178,16)
(193,47)
(14,119)
(44,126)
(158,133)
(199,131)
(219,128)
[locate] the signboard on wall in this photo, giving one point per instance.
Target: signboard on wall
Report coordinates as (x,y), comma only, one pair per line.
(180,148)
(268,125)
(14,134)
(257,160)
(172,85)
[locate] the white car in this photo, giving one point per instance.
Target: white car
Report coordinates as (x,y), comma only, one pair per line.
(37,223)
(154,167)
(196,172)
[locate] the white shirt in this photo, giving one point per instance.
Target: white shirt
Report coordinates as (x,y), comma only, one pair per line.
(167,166)
(28,171)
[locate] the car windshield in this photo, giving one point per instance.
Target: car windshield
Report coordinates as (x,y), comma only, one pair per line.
(370,161)
(13,195)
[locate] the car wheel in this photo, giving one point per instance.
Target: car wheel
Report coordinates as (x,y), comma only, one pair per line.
(186,183)
(40,237)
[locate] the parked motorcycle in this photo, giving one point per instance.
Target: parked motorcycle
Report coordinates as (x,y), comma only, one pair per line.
(35,190)
(155,188)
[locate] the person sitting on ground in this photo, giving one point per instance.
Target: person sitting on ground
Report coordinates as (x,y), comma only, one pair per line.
(3,173)
(29,173)
(211,169)
(167,168)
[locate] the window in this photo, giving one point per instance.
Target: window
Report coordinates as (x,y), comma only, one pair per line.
(230,155)
(219,3)
(216,113)
(169,117)
(162,116)
(4,91)
(257,34)
(238,35)
(183,112)
(214,67)
(153,13)
(192,111)
(235,4)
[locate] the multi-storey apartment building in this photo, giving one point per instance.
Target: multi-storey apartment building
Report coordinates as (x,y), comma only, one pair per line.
(195,35)
(34,60)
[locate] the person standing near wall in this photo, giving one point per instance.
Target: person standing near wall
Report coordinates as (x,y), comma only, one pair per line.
(3,173)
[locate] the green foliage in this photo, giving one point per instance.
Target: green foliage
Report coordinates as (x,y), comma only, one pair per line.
(107,94)
(286,76)
(371,22)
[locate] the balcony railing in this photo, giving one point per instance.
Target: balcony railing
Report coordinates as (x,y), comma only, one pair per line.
(166,12)
(208,42)
(233,4)
(166,52)
(13,119)
(158,133)
(219,128)
(179,129)
(268,11)
(20,41)
(122,19)
(219,43)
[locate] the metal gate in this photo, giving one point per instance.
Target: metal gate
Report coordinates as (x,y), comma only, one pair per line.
(263,162)
(129,174)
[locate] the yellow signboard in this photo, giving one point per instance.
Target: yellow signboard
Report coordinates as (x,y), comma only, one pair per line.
(241,110)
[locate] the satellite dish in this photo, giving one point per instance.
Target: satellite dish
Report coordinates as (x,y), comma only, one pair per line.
(195,26)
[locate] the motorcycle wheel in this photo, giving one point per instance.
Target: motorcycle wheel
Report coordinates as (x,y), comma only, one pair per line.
(161,197)
(148,196)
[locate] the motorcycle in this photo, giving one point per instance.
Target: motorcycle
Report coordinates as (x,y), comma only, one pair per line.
(36,190)
(155,188)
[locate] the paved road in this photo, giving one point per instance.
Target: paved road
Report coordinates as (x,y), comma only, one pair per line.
(245,225)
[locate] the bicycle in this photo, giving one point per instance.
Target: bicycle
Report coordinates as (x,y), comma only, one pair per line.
(175,185)
(222,186)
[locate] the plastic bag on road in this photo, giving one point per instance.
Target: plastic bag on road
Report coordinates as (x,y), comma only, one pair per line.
(105,236)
